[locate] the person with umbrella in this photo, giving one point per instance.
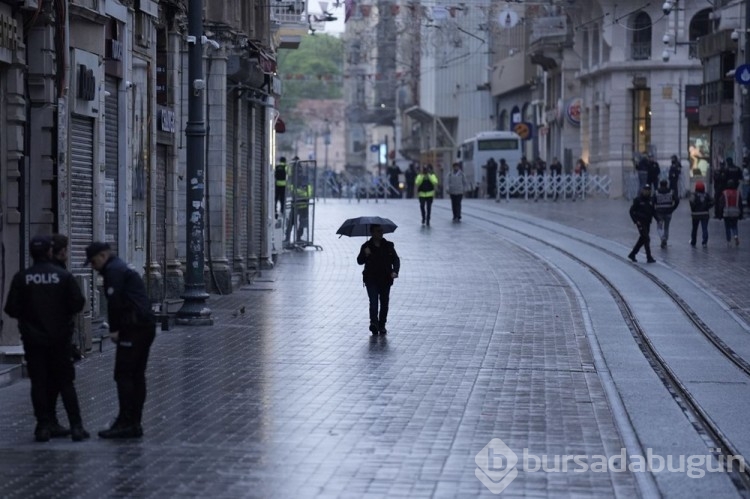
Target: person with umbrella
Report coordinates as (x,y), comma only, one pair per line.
(382,265)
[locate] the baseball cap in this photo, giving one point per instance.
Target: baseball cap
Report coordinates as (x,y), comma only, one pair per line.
(39,245)
(94,249)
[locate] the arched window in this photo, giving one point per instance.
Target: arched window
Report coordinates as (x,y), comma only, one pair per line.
(700,26)
(640,48)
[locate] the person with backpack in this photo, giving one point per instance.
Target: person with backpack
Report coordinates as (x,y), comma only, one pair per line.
(730,209)
(700,204)
(665,202)
(426,183)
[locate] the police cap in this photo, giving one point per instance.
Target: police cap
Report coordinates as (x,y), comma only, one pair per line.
(94,249)
(39,246)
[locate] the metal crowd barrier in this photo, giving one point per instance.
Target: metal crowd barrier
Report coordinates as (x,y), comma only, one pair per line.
(552,187)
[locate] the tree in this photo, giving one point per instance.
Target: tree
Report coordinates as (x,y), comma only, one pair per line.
(319,60)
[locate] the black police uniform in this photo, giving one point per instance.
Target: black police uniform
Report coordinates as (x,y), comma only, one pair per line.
(642,213)
(44,299)
(129,313)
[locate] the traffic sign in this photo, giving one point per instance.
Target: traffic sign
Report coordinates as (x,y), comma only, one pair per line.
(375,148)
(742,74)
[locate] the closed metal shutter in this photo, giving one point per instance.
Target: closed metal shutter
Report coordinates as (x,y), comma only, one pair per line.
(160,211)
(242,181)
(82,198)
(112,161)
(229,188)
(256,194)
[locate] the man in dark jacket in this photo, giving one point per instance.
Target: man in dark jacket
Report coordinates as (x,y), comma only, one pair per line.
(132,326)
(700,204)
(642,213)
(491,168)
(381,267)
(280,174)
(654,171)
(44,298)
(409,177)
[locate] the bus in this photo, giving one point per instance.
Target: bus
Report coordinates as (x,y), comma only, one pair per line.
(476,151)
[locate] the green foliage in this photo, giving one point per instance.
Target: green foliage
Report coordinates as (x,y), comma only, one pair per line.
(320,60)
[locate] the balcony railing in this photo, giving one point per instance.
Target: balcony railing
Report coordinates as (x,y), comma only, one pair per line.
(640,51)
(289,12)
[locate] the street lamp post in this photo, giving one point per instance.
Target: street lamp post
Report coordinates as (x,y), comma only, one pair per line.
(194,311)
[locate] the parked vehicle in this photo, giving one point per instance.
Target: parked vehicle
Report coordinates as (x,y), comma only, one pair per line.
(476,151)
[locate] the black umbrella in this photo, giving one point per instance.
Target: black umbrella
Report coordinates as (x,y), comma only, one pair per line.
(360,226)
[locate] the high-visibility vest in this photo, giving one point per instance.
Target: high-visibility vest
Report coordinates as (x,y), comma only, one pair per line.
(280,173)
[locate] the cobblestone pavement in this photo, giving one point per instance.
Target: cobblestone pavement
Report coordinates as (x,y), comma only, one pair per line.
(295,398)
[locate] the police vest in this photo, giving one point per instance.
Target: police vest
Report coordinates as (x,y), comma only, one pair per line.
(664,201)
(731,203)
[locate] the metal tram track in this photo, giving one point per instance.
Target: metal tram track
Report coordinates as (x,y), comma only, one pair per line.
(718,444)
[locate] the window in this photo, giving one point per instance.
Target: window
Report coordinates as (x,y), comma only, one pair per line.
(641,119)
(640,48)
(497,145)
(585,52)
(595,46)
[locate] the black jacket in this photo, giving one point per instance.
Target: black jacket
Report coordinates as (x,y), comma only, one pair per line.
(44,298)
(642,210)
(665,201)
(382,261)
(128,305)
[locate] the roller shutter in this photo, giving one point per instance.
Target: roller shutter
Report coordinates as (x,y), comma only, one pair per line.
(242,181)
(229,188)
(256,194)
(82,188)
(112,161)
(160,210)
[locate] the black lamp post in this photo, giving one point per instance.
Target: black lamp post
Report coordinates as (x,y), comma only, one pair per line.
(194,311)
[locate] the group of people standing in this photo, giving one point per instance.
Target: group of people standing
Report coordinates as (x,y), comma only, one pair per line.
(44,299)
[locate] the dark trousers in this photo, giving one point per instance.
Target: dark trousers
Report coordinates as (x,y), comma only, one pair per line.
(280,198)
(130,372)
(51,372)
(425,206)
(704,229)
(456,205)
(378,292)
(644,240)
(730,227)
(410,190)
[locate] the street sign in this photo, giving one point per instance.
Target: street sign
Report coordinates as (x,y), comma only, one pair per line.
(742,74)
(375,148)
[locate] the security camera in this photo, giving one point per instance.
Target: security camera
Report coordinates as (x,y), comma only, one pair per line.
(735,36)
(129,84)
(665,39)
(213,43)
(665,56)
(667,7)
(199,84)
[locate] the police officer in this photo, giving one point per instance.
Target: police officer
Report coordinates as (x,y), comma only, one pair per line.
(44,299)
(132,327)
(280,174)
(642,213)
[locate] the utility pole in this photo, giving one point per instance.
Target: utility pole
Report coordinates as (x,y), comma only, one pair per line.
(194,311)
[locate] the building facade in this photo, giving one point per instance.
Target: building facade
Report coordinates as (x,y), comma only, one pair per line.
(93,143)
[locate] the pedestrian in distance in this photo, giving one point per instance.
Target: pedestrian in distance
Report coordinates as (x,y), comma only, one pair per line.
(382,266)
(457,185)
(700,204)
(730,209)
(674,174)
(719,181)
(641,169)
(132,327)
(491,168)
(502,172)
(409,177)
(426,183)
(555,171)
(665,202)
(642,213)
(654,172)
(44,298)
(745,185)
(393,172)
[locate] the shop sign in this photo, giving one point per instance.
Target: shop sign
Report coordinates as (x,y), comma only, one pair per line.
(573,111)
(86,83)
(166,120)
